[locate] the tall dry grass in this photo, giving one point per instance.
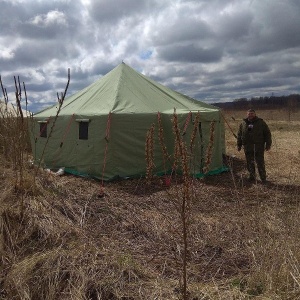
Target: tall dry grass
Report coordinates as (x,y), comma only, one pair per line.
(242,239)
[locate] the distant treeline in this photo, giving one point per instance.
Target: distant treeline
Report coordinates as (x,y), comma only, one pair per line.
(290,102)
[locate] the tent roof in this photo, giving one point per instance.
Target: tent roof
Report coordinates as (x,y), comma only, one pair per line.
(123,90)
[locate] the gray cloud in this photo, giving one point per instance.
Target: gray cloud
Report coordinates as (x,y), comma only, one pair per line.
(112,11)
(190,53)
(175,32)
(213,50)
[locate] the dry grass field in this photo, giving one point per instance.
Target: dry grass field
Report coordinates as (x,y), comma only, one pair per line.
(61,240)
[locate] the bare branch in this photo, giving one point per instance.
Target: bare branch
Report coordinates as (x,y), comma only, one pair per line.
(20,90)
(67,84)
(60,103)
(5,96)
(18,97)
(25,95)
(4,92)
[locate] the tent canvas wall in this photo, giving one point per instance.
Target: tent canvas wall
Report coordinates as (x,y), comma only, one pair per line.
(101,130)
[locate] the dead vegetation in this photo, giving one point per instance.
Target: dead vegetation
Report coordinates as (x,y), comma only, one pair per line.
(69,242)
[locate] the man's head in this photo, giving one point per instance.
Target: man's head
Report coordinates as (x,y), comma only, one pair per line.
(251,114)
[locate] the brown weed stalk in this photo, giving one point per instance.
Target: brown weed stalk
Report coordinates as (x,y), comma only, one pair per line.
(194,132)
(209,149)
(183,201)
(60,99)
(178,141)
(149,153)
(166,156)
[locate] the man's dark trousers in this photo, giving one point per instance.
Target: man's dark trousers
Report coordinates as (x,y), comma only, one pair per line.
(257,157)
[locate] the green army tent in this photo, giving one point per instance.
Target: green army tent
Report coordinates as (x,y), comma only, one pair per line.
(101,130)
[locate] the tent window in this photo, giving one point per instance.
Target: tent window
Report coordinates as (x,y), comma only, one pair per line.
(43,129)
(83,130)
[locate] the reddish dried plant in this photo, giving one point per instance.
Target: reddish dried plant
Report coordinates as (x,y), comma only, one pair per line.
(209,149)
(149,153)
(166,156)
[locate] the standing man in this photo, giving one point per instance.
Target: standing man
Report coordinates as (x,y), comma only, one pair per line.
(255,136)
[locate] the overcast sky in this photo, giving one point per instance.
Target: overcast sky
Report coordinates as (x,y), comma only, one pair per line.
(211,50)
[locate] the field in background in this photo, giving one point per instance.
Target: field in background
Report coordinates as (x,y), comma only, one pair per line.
(283,161)
(243,239)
